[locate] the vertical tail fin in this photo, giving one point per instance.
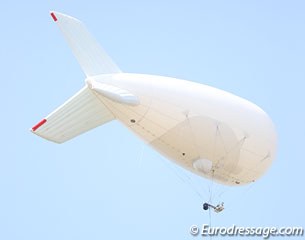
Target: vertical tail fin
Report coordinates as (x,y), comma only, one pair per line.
(89,54)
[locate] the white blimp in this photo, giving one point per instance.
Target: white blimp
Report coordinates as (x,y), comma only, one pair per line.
(207,131)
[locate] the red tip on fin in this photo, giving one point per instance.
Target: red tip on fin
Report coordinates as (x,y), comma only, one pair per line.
(38,125)
(53,16)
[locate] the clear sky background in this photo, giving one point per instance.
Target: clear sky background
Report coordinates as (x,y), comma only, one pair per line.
(107,184)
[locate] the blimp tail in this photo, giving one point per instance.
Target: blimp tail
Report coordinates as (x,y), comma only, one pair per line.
(79,114)
(90,55)
(83,111)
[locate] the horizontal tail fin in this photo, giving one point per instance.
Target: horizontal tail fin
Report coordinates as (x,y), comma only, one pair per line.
(90,55)
(82,112)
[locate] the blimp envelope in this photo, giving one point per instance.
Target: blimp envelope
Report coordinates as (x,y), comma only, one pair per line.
(208,131)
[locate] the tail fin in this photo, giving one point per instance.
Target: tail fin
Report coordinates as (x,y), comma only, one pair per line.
(89,54)
(82,112)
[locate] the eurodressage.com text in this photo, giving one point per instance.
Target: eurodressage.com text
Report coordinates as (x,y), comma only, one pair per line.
(234,230)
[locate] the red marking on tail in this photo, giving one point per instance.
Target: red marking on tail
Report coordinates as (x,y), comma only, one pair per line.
(53,16)
(38,125)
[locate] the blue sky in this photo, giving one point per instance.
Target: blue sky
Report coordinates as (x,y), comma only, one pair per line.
(107,184)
